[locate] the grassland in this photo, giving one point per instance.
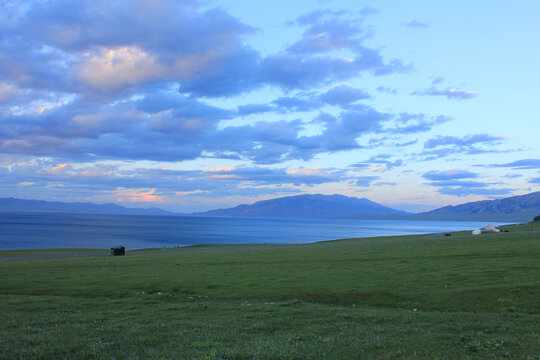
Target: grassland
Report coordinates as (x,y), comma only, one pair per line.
(409,297)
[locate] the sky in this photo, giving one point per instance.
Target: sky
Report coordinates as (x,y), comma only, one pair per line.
(197,105)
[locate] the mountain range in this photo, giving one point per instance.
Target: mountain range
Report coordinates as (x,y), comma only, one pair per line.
(515,208)
(12,204)
(310,206)
(520,208)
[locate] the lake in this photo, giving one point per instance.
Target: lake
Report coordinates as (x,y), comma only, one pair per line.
(52,230)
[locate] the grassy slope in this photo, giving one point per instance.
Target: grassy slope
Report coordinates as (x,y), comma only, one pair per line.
(476,297)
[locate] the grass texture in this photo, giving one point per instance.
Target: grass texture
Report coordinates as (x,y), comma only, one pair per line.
(407,297)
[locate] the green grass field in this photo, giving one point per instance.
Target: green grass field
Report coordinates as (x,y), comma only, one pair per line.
(407,297)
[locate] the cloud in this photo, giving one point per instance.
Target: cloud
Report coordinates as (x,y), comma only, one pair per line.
(341,132)
(343,94)
(287,103)
(535,180)
(303,71)
(365,181)
(455,94)
(368,11)
(109,49)
(465,191)
(451,174)
(130,183)
(460,183)
(110,70)
(137,81)
(416,123)
(114,51)
(416,24)
(328,35)
(250,109)
(308,61)
(385,183)
(451,182)
(512,176)
(387,90)
(520,164)
(317,15)
(91,88)
(8,92)
(137,196)
(378,160)
(464,141)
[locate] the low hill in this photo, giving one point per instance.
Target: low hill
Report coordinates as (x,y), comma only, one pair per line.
(521,208)
(310,206)
(12,204)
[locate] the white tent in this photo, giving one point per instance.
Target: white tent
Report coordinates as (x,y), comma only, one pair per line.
(487,230)
(491,228)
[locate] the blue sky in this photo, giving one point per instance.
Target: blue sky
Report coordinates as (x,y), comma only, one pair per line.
(196,105)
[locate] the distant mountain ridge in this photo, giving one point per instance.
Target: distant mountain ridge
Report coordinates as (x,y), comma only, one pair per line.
(12,204)
(521,208)
(515,208)
(310,206)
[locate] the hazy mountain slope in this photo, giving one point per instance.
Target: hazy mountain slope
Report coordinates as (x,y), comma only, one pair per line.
(309,206)
(11,204)
(515,208)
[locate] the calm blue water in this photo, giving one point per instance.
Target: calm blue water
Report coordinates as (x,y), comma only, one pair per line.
(43,230)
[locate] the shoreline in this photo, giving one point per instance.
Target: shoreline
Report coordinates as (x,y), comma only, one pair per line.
(67,252)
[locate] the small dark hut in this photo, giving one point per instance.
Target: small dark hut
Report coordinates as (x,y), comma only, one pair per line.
(118,250)
(536,218)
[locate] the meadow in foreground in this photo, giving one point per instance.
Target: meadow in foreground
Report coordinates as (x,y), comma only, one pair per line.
(424,296)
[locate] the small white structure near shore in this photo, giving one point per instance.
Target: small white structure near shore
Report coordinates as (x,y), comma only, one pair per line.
(490,229)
